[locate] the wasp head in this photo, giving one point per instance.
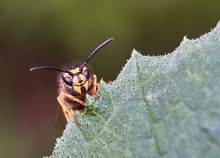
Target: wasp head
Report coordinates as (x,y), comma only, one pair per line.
(77,79)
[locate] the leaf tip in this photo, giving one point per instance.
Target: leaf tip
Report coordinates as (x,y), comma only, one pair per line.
(134,52)
(185,39)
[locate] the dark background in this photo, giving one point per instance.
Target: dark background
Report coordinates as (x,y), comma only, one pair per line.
(55,32)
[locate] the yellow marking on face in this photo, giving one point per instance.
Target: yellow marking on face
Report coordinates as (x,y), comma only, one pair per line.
(79,80)
(86,85)
(76,70)
(77,89)
(80,88)
(66,75)
(83,78)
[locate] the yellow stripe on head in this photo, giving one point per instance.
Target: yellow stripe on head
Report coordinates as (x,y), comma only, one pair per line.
(75,71)
(66,75)
(82,89)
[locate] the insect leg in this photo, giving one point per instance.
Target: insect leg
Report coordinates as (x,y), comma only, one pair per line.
(95,86)
(67,110)
(73,98)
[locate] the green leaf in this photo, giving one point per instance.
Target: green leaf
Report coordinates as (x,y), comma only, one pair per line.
(163,106)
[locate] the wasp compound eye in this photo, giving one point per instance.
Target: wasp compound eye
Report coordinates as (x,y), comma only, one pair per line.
(86,74)
(68,81)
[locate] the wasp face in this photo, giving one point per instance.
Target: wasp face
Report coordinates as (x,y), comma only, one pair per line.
(77,79)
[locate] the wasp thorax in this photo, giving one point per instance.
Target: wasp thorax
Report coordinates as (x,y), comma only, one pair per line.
(77,79)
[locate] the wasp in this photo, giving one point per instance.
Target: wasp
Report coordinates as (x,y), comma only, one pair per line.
(74,83)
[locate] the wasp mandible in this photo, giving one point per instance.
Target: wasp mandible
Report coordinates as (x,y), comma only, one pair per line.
(74,83)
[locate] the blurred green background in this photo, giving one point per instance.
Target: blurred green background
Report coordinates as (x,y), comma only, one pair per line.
(53,32)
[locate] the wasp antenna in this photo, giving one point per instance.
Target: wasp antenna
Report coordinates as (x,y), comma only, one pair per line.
(95,51)
(46,68)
